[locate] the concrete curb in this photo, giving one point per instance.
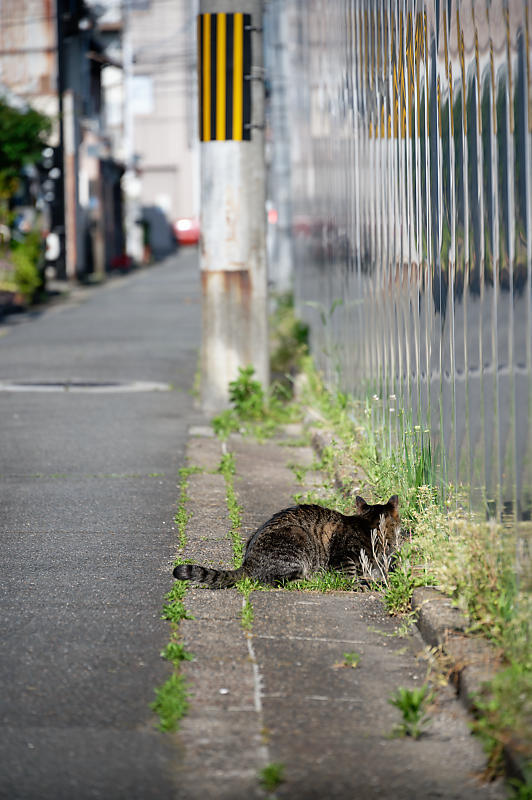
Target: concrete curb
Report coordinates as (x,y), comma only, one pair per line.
(473,661)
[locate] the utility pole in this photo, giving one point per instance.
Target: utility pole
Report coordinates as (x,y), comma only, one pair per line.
(232,178)
(67,133)
(130,180)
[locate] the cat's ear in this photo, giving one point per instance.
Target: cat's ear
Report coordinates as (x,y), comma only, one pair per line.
(360,503)
(393,504)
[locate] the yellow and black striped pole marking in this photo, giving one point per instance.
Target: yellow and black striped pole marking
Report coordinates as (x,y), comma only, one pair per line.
(224,66)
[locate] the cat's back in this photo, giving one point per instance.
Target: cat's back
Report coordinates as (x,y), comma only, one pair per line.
(306,517)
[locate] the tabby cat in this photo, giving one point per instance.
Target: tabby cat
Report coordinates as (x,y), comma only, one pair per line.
(299,541)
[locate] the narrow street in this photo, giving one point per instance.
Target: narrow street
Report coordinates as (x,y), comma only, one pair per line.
(88,490)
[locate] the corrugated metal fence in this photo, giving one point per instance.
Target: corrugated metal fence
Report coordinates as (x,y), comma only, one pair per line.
(412,196)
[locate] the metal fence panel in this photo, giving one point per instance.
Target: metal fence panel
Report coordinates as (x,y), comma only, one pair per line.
(412,198)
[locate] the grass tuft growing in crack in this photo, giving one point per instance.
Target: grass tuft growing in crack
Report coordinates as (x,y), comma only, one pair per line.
(329,581)
(171,702)
(245,586)
(271,776)
(248,615)
(171,698)
(174,610)
(227,469)
(175,652)
(351,660)
(182,515)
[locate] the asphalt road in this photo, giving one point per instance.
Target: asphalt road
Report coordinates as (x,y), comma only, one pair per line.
(88,491)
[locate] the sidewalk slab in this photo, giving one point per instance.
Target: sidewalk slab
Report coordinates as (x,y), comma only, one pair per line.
(220,738)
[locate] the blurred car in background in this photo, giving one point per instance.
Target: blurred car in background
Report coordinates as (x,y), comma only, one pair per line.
(187,230)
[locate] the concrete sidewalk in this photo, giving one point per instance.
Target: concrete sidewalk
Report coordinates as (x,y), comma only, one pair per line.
(277,693)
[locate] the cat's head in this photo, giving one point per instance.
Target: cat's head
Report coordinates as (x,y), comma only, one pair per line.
(389,511)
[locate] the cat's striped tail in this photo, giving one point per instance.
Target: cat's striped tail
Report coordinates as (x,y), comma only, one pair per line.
(212,578)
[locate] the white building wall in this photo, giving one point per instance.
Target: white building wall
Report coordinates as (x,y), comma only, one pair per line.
(163,36)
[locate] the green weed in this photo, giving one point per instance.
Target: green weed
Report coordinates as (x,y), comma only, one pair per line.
(171,698)
(227,465)
(247,615)
(182,516)
(225,423)
(175,652)
(271,776)
(329,581)
(227,469)
(171,702)
(247,395)
(520,789)
(412,705)
(248,404)
(504,707)
(402,581)
(245,586)
(351,660)
(299,472)
(288,339)
(175,612)
(254,411)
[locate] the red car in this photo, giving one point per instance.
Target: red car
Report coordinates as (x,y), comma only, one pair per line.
(187,230)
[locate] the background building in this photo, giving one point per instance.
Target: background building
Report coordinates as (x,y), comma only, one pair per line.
(118,79)
(163,85)
(52,57)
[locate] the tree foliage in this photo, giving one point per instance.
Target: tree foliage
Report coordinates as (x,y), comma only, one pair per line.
(23,135)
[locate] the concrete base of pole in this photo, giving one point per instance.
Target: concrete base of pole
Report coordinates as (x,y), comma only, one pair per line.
(234,334)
